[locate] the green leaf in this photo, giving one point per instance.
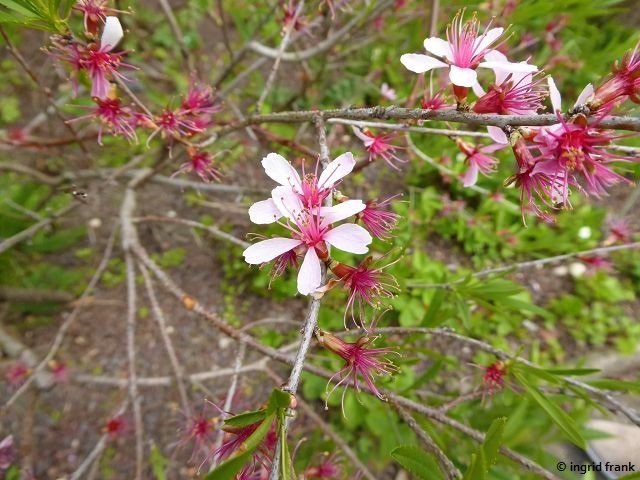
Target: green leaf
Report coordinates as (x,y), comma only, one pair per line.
(245,418)
(158,463)
(631,476)
(429,319)
(279,399)
(560,418)
(229,469)
(572,371)
(487,453)
(609,384)
(417,461)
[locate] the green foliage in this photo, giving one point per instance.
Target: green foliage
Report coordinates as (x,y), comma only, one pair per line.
(416,461)
(48,15)
(158,463)
(487,453)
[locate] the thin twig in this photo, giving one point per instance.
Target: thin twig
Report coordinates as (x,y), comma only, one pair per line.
(276,64)
(407,128)
(178,371)
(209,228)
(177,33)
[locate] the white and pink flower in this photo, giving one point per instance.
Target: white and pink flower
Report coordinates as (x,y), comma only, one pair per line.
(310,224)
(464,50)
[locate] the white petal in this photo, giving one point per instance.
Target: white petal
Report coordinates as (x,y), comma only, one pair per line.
(462,77)
(478,90)
(584,95)
(471,175)
(495,56)
(336,170)
(264,212)
(280,170)
(554,94)
(419,63)
(111,34)
(438,47)
(310,275)
(287,202)
(341,211)
(267,250)
(349,237)
(498,135)
(366,139)
(518,67)
(483,41)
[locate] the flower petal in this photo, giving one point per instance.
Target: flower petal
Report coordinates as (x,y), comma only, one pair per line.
(267,250)
(111,34)
(463,77)
(341,211)
(419,63)
(584,95)
(287,202)
(439,47)
(366,139)
(280,170)
(471,175)
(483,41)
(264,212)
(349,237)
(336,170)
(517,67)
(498,135)
(554,94)
(310,275)
(478,90)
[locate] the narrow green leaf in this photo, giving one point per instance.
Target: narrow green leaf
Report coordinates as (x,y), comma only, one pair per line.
(22,8)
(158,463)
(245,418)
(631,476)
(560,418)
(572,371)
(417,461)
(429,319)
(609,384)
(278,399)
(229,469)
(485,457)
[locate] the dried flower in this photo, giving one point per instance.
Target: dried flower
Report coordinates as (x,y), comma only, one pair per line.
(379,146)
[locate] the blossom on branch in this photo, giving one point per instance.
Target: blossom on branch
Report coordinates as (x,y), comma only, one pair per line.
(464,50)
(299,201)
(379,146)
(360,361)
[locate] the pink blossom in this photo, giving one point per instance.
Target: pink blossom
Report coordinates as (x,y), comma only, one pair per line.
(59,371)
(597,262)
(462,53)
(619,230)
(329,468)
(7,452)
(360,361)
(18,373)
(378,221)
(311,230)
(119,119)
(311,225)
(477,160)
(493,378)
(625,82)
(434,102)
(199,105)
(100,63)
(202,164)
(379,146)
(95,12)
(366,285)
(116,426)
(387,92)
(512,93)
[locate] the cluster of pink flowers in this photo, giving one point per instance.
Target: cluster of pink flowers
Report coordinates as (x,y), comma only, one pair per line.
(193,116)
(300,205)
(550,160)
